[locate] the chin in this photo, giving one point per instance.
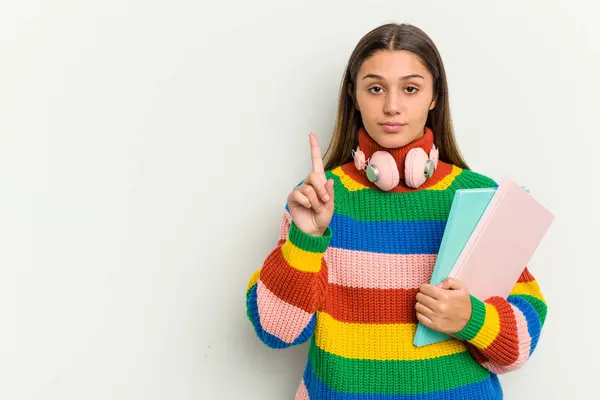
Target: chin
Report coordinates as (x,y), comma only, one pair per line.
(393,140)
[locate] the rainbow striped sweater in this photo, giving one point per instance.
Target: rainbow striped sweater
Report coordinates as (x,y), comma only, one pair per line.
(352,292)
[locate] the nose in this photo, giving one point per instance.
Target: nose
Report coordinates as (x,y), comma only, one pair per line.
(393,103)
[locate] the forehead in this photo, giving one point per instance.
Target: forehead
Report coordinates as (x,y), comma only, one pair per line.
(393,64)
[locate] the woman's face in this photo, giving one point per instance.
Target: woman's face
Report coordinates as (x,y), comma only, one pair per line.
(394,87)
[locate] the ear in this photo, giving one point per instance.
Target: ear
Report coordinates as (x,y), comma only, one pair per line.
(432,105)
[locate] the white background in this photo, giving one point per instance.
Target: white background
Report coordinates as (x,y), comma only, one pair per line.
(147,149)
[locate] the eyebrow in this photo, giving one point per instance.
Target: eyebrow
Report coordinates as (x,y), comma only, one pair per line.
(402,78)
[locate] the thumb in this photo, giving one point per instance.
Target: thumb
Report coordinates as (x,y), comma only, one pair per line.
(453,284)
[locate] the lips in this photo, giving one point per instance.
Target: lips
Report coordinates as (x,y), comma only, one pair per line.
(392,126)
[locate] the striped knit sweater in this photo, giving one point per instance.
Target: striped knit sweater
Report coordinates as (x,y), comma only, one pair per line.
(352,293)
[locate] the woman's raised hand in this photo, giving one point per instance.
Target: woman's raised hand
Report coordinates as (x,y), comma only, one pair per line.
(311,203)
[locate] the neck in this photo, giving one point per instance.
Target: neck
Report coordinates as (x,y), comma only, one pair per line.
(370,146)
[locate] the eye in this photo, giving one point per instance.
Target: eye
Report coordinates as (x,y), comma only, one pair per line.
(412,89)
(375,87)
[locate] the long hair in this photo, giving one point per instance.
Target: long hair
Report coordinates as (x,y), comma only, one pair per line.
(348,121)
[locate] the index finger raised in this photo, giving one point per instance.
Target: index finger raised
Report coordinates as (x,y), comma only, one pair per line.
(315,154)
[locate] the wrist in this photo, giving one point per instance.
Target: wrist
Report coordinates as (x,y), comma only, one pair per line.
(475,322)
(305,252)
(316,242)
(318,233)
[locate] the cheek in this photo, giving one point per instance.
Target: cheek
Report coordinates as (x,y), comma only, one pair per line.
(418,113)
(370,110)
(365,103)
(420,106)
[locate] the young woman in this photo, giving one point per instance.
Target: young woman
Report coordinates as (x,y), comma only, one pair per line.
(359,239)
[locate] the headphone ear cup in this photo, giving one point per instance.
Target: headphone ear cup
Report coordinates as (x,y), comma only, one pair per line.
(389,177)
(414,167)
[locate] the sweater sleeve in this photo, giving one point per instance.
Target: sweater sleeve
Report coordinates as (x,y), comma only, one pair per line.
(503,333)
(283,295)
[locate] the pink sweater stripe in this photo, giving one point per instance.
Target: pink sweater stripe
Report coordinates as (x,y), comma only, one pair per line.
(302,392)
(362,269)
(273,312)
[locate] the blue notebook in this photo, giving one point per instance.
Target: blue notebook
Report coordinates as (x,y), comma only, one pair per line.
(466,210)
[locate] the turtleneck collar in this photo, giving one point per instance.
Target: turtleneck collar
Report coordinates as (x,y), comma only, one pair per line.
(369,146)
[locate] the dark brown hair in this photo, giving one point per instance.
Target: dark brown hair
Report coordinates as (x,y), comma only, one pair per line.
(348,121)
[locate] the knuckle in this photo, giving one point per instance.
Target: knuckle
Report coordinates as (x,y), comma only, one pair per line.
(304,189)
(298,195)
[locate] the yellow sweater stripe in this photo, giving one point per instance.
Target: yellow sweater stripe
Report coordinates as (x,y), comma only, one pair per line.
(300,259)
(490,328)
(447,180)
(531,288)
(377,341)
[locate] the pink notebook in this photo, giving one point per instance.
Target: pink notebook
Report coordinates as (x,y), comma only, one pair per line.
(503,242)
